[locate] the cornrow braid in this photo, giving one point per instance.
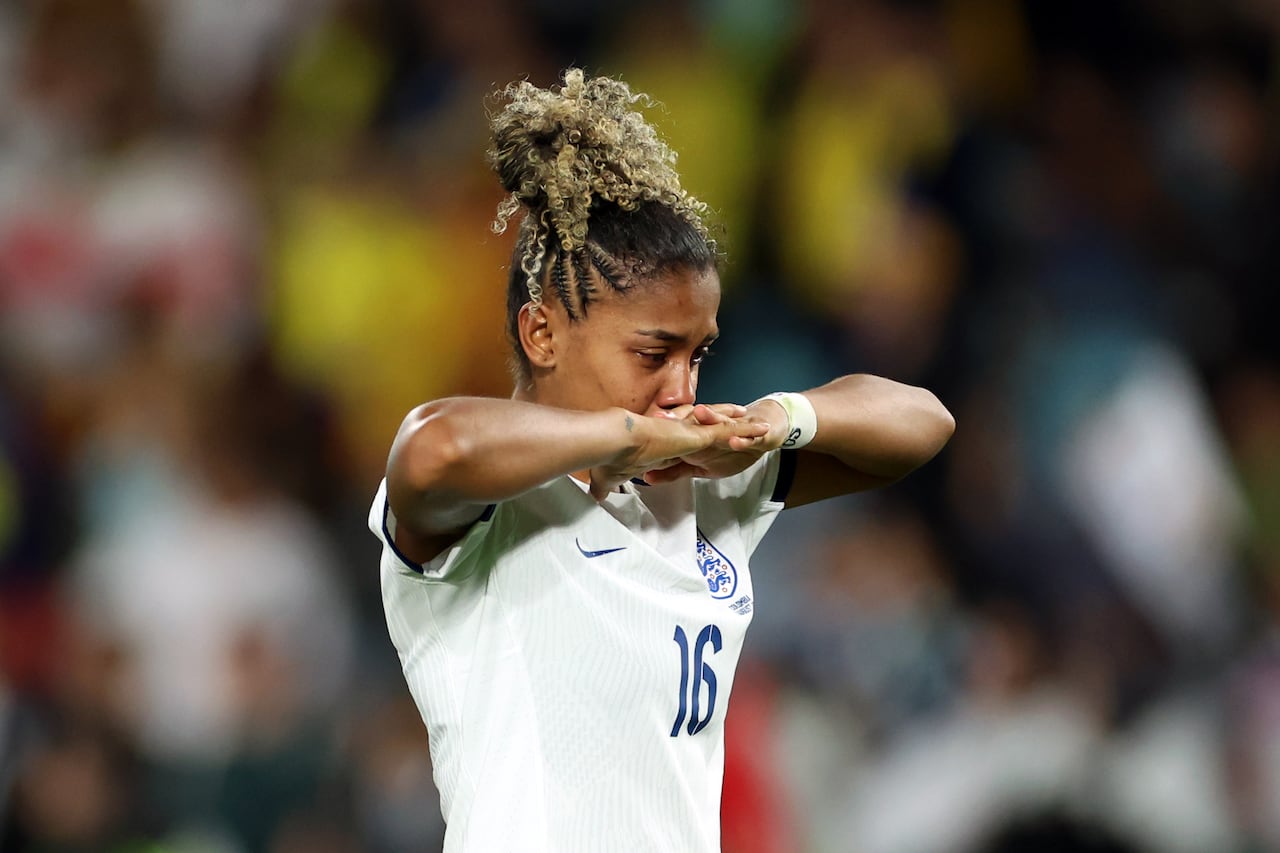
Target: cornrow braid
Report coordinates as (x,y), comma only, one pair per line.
(583,278)
(560,277)
(597,187)
(606,266)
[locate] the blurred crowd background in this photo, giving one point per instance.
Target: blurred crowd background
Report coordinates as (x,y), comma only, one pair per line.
(240,239)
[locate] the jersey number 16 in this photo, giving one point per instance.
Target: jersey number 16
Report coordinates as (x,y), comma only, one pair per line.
(691,693)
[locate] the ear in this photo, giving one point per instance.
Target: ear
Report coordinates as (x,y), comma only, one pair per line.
(537,335)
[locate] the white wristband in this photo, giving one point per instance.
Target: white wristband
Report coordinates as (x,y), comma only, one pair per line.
(802,420)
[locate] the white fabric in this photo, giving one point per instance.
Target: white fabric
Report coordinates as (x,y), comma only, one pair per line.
(183,585)
(550,680)
(802,420)
(1148,478)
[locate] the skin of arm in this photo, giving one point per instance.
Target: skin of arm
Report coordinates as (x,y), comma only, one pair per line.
(452,457)
(876,430)
(871,432)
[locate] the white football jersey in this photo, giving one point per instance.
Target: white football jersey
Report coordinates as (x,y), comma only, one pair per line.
(573,661)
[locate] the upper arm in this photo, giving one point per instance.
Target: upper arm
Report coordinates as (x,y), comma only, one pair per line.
(819,476)
(423,547)
(428,518)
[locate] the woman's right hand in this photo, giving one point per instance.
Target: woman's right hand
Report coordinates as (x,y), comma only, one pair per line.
(662,442)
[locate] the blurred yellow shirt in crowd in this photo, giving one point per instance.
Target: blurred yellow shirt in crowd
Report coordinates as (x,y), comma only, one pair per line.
(845,150)
(386,306)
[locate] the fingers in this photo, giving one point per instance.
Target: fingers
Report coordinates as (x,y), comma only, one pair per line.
(606,479)
(731,434)
(671,473)
(704,413)
(705,431)
(679,413)
(598,490)
(602,484)
(715,413)
(748,430)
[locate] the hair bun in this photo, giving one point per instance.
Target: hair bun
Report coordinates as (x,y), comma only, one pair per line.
(558,150)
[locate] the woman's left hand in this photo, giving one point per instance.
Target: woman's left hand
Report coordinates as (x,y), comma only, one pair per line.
(716,462)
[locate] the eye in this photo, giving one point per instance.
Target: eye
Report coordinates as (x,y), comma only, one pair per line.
(653,358)
(701,354)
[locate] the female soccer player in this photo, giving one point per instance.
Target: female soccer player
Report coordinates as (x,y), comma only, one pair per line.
(565,573)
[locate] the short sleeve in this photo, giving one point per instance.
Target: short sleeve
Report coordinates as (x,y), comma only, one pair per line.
(452,563)
(751,498)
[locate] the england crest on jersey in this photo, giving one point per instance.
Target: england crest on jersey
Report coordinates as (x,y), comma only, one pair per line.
(719,573)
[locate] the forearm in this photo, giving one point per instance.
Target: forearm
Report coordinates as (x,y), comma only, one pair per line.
(873,425)
(879,426)
(463,451)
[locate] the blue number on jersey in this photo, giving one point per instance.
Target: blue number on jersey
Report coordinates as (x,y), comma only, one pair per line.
(703,674)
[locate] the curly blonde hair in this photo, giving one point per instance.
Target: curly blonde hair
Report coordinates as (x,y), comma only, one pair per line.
(565,153)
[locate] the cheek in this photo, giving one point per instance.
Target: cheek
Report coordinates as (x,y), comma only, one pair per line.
(632,381)
(625,382)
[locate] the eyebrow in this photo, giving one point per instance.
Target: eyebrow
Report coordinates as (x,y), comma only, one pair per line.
(672,337)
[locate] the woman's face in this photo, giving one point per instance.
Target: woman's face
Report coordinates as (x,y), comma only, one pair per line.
(639,350)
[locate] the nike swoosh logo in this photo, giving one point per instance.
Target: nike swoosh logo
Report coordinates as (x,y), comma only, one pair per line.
(600,553)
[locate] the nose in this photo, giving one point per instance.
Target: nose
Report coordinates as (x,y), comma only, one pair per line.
(679,385)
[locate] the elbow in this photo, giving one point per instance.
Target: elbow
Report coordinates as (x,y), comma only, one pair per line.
(936,426)
(921,427)
(430,448)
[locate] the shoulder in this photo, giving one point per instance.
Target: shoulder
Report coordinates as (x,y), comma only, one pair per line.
(498,529)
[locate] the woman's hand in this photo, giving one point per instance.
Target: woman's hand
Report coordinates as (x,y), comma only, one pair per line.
(725,461)
(666,442)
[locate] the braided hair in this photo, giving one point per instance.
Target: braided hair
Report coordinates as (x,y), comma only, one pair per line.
(602,203)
